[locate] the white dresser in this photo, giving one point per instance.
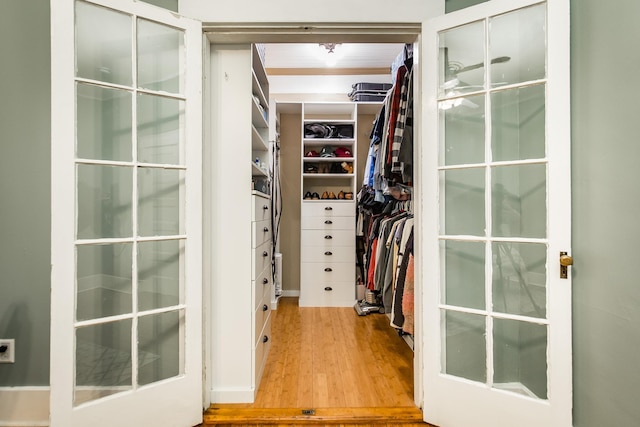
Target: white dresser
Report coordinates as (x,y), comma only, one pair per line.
(327,253)
(261,283)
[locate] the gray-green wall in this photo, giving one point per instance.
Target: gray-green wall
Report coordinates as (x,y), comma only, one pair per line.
(25,194)
(605,65)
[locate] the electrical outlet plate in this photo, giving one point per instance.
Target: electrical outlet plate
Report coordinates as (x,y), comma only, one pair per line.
(8,356)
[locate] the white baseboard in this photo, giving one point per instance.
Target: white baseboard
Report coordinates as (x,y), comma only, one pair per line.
(239,395)
(290,293)
(24,406)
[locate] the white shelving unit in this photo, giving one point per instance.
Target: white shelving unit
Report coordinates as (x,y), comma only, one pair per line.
(327,235)
(241,289)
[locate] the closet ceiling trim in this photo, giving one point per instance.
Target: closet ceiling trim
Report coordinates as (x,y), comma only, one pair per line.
(311,33)
(326,71)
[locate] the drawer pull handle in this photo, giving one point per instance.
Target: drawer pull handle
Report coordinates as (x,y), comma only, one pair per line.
(265,207)
(328,269)
(265,253)
(328,237)
(328,253)
(328,288)
(265,281)
(328,221)
(328,208)
(265,229)
(265,338)
(265,307)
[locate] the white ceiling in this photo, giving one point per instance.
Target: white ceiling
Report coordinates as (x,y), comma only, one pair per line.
(348,55)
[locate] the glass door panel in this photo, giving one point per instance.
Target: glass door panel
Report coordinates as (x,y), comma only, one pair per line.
(494,185)
(130,187)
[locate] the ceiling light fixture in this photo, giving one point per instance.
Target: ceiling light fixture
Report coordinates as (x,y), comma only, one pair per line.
(330,53)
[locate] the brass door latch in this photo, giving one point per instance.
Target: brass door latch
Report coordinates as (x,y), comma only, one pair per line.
(565,261)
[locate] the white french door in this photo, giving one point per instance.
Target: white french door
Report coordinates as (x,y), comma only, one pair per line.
(496,180)
(126,278)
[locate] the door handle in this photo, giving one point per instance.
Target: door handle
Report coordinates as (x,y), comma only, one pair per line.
(328,221)
(565,261)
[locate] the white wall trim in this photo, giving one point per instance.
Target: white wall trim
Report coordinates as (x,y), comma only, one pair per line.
(24,406)
(233,395)
(290,293)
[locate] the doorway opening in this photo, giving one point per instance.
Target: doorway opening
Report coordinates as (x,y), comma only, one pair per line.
(398,35)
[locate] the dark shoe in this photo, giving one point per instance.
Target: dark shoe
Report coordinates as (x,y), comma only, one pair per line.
(315,196)
(307,195)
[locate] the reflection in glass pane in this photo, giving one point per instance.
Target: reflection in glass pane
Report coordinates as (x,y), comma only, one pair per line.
(463,274)
(464,130)
(519,195)
(104,201)
(462,56)
(160,61)
(464,346)
(160,130)
(520,357)
(103,44)
(519,36)
(103,360)
(103,123)
(104,280)
(464,202)
(160,204)
(518,123)
(161,343)
(519,278)
(160,273)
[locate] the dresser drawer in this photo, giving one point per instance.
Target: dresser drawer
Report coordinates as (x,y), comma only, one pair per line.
(261,285)
(324,223)
(261,258)
(327,239)
(261,314)
(327,272)
(346,254)
(328,209)
(261,350)
(261,232)
(261,208)
(336,294)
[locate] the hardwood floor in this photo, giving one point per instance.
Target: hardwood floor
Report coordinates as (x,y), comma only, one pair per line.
(343,369)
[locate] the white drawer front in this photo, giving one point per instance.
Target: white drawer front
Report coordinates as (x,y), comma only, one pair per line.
(328,209)
(261,232)
(346,254)
(261,315)
(327,239)
(262,208)
(336,294)
(262,350)
(327,272)
(324,223)
(261,258)
(261,286)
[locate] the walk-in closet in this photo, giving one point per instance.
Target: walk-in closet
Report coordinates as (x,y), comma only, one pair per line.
(329,229)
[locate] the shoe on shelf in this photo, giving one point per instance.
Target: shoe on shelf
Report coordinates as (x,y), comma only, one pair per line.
(348,195)
(341,195)
(325,195)
(315,196)
(331,195)
(307,195)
